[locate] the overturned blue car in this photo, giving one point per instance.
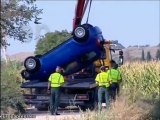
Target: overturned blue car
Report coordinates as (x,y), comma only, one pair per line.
(83,48)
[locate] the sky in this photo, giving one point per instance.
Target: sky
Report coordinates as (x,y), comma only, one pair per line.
(129,22)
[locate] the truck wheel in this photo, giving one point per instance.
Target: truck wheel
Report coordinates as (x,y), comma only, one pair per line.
(32,64)
(90,107)
(80,34)
(42,107)
(83,108)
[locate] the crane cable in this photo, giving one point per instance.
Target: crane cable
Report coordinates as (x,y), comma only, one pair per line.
(89,11)
(103,62)
(86,4)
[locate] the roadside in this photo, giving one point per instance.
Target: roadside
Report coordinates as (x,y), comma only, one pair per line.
(65,114)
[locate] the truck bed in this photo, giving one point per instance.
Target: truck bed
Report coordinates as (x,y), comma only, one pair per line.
(69,83)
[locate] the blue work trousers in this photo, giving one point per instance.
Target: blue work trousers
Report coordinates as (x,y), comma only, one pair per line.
(54,100)
(103,91)
(114,91)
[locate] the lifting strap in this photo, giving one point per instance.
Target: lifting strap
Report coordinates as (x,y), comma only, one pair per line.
(89,11)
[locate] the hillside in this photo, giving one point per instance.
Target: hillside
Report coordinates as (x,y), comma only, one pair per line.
(130,53)
(20,56)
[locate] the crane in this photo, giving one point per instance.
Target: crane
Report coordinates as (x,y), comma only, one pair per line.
(79,12)
(78,52)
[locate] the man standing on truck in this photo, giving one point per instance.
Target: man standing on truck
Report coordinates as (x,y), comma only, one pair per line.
(103,87)
(55,82)
(114,76)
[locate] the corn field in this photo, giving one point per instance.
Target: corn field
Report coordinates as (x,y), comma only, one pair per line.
(141,79)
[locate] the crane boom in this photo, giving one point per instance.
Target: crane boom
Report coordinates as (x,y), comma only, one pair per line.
(79,12)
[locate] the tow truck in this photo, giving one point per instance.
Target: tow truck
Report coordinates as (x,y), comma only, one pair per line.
(80,56)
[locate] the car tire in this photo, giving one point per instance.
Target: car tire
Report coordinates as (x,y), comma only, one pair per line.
(80,34)
(38,56)
(32,64)
(25,74)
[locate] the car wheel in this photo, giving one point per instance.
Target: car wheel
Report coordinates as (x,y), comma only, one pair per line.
(32,64)
(25,74)
(80,34)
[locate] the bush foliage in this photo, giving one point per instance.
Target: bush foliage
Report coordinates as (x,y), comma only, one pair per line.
(11,97)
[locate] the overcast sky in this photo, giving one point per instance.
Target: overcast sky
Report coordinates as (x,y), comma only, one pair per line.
(129,22)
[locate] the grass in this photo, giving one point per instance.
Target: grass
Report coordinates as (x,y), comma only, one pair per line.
(139,100)
(121,110)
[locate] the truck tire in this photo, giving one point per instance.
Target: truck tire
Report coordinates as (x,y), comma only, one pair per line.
(80,34)
(42,107)
(83,108)
(32,64)
(91,106)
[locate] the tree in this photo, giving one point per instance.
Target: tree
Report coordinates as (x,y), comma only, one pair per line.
(143,58)
(51,40)
(158,54)
(15,14)
(149,57)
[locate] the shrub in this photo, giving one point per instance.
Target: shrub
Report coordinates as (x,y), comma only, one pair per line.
(11,97)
